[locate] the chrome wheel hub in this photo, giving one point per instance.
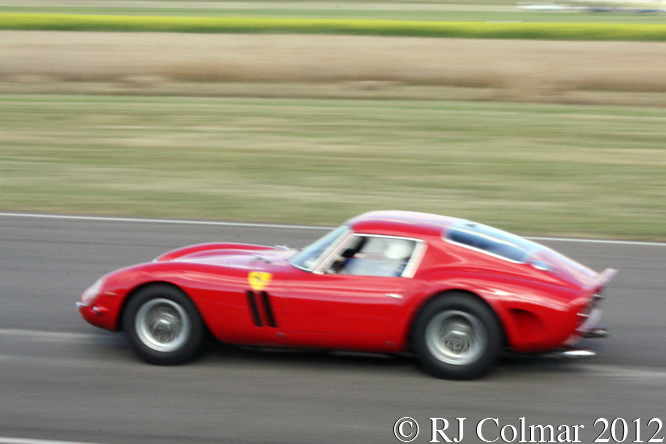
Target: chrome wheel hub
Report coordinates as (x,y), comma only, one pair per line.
(162,325)
(455,337)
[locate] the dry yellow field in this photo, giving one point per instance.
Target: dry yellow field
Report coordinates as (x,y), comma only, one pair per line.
(629,73)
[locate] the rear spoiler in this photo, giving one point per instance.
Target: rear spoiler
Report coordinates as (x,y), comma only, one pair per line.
(604,278)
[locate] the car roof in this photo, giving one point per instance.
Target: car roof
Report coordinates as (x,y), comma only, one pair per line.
(401,223)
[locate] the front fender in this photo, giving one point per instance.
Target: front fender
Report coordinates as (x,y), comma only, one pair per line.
(202,284)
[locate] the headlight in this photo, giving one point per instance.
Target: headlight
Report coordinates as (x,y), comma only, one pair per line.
(91,293)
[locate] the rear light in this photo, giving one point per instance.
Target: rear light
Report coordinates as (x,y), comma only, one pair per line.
(589,316)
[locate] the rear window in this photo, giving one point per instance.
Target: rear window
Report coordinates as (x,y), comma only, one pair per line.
(491,241)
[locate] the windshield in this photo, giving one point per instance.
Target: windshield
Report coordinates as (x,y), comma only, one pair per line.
(307,258)
(492,241)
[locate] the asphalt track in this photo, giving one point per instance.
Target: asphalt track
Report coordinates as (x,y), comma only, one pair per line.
(63,380)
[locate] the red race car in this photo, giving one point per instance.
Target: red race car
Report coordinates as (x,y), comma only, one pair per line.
(453,292)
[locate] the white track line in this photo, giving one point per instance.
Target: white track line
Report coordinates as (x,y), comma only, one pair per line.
(161,221)
(282,226)
(43,335)
(4,440)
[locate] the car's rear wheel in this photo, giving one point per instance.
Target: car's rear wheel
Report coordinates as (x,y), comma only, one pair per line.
(163,325)
(457,336)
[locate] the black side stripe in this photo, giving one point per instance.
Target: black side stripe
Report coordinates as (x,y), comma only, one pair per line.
(253,308)
(269,310)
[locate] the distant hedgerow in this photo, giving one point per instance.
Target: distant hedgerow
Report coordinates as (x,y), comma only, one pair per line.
(541,31)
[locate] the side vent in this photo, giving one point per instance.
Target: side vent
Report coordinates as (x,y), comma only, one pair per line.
(269,311)
(253,308)
(260,302)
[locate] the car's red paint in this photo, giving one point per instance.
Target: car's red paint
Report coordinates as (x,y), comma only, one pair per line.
(539,302)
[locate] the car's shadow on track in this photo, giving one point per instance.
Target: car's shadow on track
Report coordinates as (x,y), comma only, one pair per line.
(313,358)
(539,363)
(508,364)
(215,353)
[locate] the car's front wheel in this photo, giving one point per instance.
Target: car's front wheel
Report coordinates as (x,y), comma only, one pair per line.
(163,325)
(457,336)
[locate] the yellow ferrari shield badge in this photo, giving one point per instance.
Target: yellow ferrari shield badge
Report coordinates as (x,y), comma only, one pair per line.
(259,280)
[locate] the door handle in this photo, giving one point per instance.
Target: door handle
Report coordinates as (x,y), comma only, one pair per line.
(394,295)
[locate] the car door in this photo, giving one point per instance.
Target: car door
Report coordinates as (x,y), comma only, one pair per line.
(354,298)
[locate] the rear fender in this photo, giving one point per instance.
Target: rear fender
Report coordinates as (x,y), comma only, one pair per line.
(443,294)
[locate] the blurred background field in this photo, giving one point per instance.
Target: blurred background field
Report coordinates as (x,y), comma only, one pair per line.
(538,137)
(532,168)
(318,66)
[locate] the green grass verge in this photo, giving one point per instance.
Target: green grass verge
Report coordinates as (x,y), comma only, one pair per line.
(529,168)
(547,31)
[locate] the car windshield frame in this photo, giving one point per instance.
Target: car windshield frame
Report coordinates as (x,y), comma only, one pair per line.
(491,241)
(309,258)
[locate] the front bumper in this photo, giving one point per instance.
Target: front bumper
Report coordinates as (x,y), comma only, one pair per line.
(91,313)
(98,315)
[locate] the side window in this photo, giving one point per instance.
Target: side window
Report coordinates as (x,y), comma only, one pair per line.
(374,256)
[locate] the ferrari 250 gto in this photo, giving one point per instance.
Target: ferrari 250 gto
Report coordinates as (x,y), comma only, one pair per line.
(453,292)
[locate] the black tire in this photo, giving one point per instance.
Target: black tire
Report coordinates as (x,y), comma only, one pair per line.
(163,325)
(456,336)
